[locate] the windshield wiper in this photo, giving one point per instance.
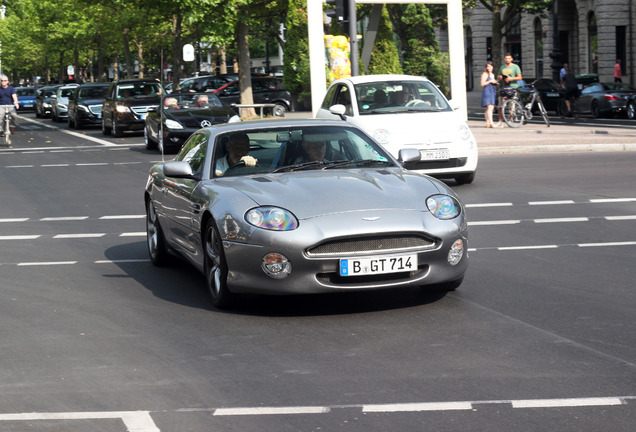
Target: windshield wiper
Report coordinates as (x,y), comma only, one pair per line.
(359,163)
(300,166)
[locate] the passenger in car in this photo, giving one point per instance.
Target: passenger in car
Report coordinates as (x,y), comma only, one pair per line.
(312,150)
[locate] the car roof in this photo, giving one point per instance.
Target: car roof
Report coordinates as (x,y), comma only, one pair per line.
(264,124)
(363,79)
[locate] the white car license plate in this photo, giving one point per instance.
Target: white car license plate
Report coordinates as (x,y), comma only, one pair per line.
(552,94)
(28,105)
(439,154)
(141,116)
(377,265)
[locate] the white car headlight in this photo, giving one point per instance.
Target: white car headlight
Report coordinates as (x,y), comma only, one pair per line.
(272,218)
(83,108)
(171,124)
(464,132)
(122,109)
(234,119)
(382,136)
(443,206)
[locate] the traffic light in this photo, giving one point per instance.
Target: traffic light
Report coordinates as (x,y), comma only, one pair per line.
(341,11)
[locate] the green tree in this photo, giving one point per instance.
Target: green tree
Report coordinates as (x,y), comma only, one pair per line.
(296,70)
(384,55)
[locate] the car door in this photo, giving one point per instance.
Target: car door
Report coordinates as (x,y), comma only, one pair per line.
(177,205)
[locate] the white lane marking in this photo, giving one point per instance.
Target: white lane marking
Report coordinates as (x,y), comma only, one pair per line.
(508,204)
(63,218)
(536,203)
(19,166)
(122,217)
(14,220)
(75,134)
(270,411)
(54,165)
(571,402)
(135,421)
(495,222)
(410,407)
(612,200)
(557,220)
(20,237)
(617,218)
(133,234)
(122,261)
(72,236)
(510,248)
(626,243)
(45,263)
(92,164)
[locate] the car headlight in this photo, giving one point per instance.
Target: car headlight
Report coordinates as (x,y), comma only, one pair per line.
(46,105)
(171,124)
(382,136)
(234,119)
(83,108)
(62,106)
(443,206)
(272,218)
(122,109)
(464,132)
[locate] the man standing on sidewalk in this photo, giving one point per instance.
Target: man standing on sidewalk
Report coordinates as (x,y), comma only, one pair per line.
(8,101)
(618,72)
(509,75)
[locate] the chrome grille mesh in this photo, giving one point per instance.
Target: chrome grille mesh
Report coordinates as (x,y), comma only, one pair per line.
(95,109)
(371,245)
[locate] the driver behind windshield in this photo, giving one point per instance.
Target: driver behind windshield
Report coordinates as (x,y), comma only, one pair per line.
(314,149)
(236,150)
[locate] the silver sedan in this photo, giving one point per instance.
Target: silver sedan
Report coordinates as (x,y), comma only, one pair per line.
(313,207)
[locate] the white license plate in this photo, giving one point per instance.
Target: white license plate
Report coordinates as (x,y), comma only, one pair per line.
(141,116)
(28,105)
(552,94)
(439,154)
(377,265)
(98,116)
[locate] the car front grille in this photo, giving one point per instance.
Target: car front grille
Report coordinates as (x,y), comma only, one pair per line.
(451,163)
(196,123)
(139,109)
(372,245)
(95,109)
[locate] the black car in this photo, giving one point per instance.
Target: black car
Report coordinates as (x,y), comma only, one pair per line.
(264,91)
(209,82)
(85,105)
(180,115)
(126,104)
(43,100)
(548,90)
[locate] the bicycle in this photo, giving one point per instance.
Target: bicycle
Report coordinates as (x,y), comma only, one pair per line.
(7,125)
(515,113)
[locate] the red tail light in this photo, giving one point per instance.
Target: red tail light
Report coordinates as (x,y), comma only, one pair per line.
(610,97)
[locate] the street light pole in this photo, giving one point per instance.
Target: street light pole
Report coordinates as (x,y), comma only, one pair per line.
(556,54)
(3,9)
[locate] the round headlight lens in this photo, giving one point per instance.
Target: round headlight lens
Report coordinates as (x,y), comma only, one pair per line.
(272,218)
(443,206)
(464,132)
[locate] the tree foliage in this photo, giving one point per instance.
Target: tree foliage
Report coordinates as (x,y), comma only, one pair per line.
(385,58)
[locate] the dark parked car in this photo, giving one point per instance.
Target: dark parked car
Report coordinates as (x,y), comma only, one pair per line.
(126,104)
(26,98)
(43,100)
(264,91)
(85,105)
(548,90)
(605,98)
(181,115)
(209,82)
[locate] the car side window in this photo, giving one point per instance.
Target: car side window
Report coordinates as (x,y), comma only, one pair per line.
(193,152)
(329,98)
(343,97)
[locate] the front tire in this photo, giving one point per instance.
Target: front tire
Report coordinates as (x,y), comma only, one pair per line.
(631,111)
(105,129)
(216,270)
(513,113)
(596,112)
(117,130)
(154,236)
(279,110)
(150,144)
(465,178)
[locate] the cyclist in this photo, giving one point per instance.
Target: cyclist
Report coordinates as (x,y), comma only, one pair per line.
(571,91)
(8,101)
(509,75)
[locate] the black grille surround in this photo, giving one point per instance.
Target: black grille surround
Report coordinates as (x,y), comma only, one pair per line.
(451,163)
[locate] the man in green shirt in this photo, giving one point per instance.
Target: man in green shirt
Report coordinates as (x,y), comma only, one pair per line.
(509,75)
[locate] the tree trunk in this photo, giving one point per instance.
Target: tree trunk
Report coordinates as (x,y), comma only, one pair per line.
(497,38)
(101,68)
(223,62)
(140,57)
(176,49)
(61,72)
(245,78)
(127,56)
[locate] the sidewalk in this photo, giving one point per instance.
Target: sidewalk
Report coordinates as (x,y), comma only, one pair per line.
(538,137)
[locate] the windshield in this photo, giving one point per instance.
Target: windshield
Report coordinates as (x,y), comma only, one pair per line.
(93,92)
(288,149)
(25,91)
(191,101)
(399,96)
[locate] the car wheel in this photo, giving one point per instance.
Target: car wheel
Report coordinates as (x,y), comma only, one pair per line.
(465,178)
(279,110)
(117,131)
(631,111)
(105,129)
(150,144)
(596,112)
(154,235)
(216,268)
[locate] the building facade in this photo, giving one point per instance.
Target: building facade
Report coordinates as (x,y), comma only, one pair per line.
(592,35)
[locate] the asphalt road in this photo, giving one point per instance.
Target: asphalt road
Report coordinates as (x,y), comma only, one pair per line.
(541,335)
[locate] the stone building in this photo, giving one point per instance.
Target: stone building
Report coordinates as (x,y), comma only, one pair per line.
(592,34)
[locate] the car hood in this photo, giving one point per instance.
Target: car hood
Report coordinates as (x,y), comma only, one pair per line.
(92,101)
(315,193)
(140,100)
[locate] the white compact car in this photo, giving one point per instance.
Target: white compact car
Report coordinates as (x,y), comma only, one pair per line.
(402,111)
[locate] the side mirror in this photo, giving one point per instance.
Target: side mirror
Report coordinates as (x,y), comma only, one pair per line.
(409,155)
(178,169)
(338,110)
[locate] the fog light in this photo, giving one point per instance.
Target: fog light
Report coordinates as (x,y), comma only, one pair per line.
(276,266)
(456,252)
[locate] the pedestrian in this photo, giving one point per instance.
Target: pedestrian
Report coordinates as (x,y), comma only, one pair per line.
(568,82)
(618,72)
(564,70)
(509,75)
(488,93)
(8,101)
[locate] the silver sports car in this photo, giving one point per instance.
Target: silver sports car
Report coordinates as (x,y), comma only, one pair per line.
(310,206)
